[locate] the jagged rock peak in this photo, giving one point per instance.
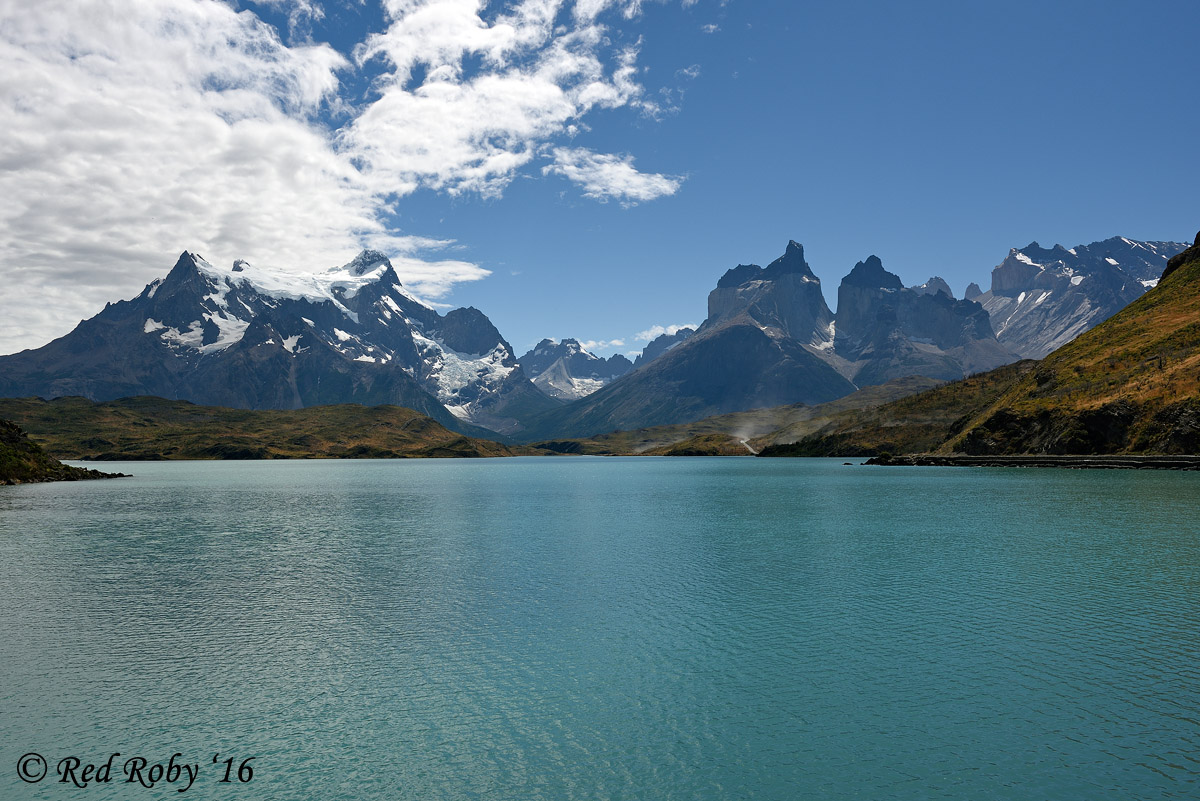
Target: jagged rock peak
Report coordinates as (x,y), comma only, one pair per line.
(240,265)
(366,261)
(870,274)
(791,262)
(935,285)
(973,291)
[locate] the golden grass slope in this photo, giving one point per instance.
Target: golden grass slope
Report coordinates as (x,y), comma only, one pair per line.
(1129,385)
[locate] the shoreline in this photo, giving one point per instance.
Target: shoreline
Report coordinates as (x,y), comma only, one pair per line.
(1095,462)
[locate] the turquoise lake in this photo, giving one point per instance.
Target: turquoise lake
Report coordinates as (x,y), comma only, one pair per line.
(606,628)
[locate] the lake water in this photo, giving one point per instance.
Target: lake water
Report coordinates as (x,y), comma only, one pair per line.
(592,628)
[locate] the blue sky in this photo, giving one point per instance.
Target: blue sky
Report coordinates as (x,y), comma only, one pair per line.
(589,172)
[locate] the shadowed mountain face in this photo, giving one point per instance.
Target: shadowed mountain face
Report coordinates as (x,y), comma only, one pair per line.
(886,331)
(784,297)
(564,370)
(249,338)
(1041,299)
(660,345)
(770,340)
(759,347)
(732,366)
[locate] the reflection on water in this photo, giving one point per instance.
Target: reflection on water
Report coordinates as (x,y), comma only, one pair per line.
(567,628)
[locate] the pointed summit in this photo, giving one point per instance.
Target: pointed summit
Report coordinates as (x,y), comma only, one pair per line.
(792,261)
(366,261)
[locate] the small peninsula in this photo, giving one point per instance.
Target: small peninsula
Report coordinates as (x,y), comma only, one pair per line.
(24,462)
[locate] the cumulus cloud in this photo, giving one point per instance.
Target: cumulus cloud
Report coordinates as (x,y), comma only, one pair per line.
(604,176)
(656,331)
(437,125)
(135,129)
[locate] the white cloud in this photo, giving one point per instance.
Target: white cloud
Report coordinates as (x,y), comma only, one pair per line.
(301,14)
(607,177)
(710,28)
(592,345)
(436,125)
(135,129)
(656,331)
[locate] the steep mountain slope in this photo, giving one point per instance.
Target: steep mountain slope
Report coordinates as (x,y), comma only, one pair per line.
(251,338)
(660,345)
(915,424)
(1041,299)
(565,371)
(886,331)
(155,428)
(1129,385)
(756,349)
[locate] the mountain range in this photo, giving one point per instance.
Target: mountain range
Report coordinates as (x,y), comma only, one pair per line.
(565,371)
(253,338)
(1130,385)
(770,339)
(1041,299)
(246,337)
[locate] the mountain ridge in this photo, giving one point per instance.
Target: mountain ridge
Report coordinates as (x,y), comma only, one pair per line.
(243,337)
(1130,385)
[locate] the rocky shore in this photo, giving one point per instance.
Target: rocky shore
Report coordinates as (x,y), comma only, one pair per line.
(1114,462)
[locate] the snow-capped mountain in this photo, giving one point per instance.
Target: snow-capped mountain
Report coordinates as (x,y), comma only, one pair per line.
(250,337)
(1042,298)
(565,371)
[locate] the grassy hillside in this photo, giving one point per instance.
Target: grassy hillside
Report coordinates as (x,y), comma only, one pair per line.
(24,462)
(155,428)
(1130,385)
(739,433)
(915,424)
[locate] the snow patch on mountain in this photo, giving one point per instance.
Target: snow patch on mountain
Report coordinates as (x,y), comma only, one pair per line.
(231,329)
(453,372)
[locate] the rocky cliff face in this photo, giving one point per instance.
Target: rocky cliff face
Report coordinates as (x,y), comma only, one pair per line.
(1042,298)
(762,345)
(784,296)
(565,371)
(885,331)
(252,338)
